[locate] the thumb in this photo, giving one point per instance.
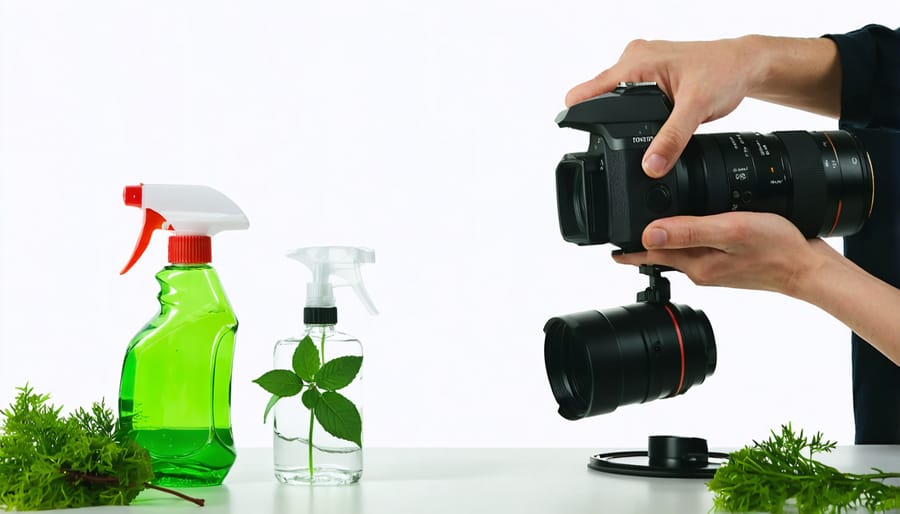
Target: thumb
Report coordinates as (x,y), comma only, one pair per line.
(714,231)
(667,145)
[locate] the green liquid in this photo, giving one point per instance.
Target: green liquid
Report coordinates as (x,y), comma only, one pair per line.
(175,392)
(190,457)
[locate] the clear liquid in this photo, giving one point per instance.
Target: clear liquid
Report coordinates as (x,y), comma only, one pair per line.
(332,465)
(335,461)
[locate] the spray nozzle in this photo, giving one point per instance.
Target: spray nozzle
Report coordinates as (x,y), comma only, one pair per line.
(194,213)
(338,263)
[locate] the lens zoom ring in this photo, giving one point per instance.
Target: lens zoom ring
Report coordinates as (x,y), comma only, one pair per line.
(805,164)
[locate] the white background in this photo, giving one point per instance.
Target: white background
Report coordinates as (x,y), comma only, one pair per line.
(423,130)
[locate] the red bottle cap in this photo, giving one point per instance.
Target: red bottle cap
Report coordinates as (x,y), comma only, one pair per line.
(190,249)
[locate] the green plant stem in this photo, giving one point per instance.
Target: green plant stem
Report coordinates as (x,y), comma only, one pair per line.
(312,413)
(312,420)
(837,477)
(100,479)
(199,501)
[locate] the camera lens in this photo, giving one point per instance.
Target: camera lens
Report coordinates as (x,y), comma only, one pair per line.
(821,181)
(599,360)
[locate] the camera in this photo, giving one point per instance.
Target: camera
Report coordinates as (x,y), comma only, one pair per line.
(596,361)
(820,181)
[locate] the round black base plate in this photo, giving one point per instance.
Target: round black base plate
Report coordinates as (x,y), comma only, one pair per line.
(607,463)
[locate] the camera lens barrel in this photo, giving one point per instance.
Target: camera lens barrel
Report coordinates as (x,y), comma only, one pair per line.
(599,360)
(821,181)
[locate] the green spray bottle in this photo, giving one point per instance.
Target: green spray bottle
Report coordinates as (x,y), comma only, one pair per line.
(174,394)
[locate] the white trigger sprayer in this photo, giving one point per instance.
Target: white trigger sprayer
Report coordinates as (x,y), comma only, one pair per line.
(194,213)
(340,263)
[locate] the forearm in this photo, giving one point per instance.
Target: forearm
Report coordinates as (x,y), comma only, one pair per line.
(804,73)
(869,306)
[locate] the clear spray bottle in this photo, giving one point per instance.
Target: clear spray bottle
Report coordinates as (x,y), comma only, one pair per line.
(318,439)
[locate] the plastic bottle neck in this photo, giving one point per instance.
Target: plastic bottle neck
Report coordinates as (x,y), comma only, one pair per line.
(192,288)
(190,250)
(316,331)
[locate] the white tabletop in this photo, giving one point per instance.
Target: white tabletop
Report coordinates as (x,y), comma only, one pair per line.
(466,481)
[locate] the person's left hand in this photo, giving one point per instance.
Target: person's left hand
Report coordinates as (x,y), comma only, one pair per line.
(748,250)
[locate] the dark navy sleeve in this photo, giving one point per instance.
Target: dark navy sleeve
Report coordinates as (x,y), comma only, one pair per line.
(870,92)
(870,109)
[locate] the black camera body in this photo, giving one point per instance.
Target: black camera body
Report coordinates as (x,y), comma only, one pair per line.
(614,199)
(821,181)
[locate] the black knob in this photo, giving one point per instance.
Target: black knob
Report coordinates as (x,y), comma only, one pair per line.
(658,198)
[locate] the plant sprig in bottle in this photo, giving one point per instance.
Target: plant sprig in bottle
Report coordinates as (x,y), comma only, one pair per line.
(319,383)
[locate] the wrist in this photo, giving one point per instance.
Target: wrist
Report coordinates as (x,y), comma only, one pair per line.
(809,283)
(804,73)
(851,295)
(756,53)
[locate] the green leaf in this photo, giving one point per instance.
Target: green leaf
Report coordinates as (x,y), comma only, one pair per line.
(272,401)
(338,373)
(310,398)
(282,382)
(306,359)
(339,417)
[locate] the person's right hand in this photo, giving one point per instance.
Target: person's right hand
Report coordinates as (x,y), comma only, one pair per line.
(705,80)
(747,250)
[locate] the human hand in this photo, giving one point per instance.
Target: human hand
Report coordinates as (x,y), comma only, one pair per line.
(705,80)
(753,250)
(748,250)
